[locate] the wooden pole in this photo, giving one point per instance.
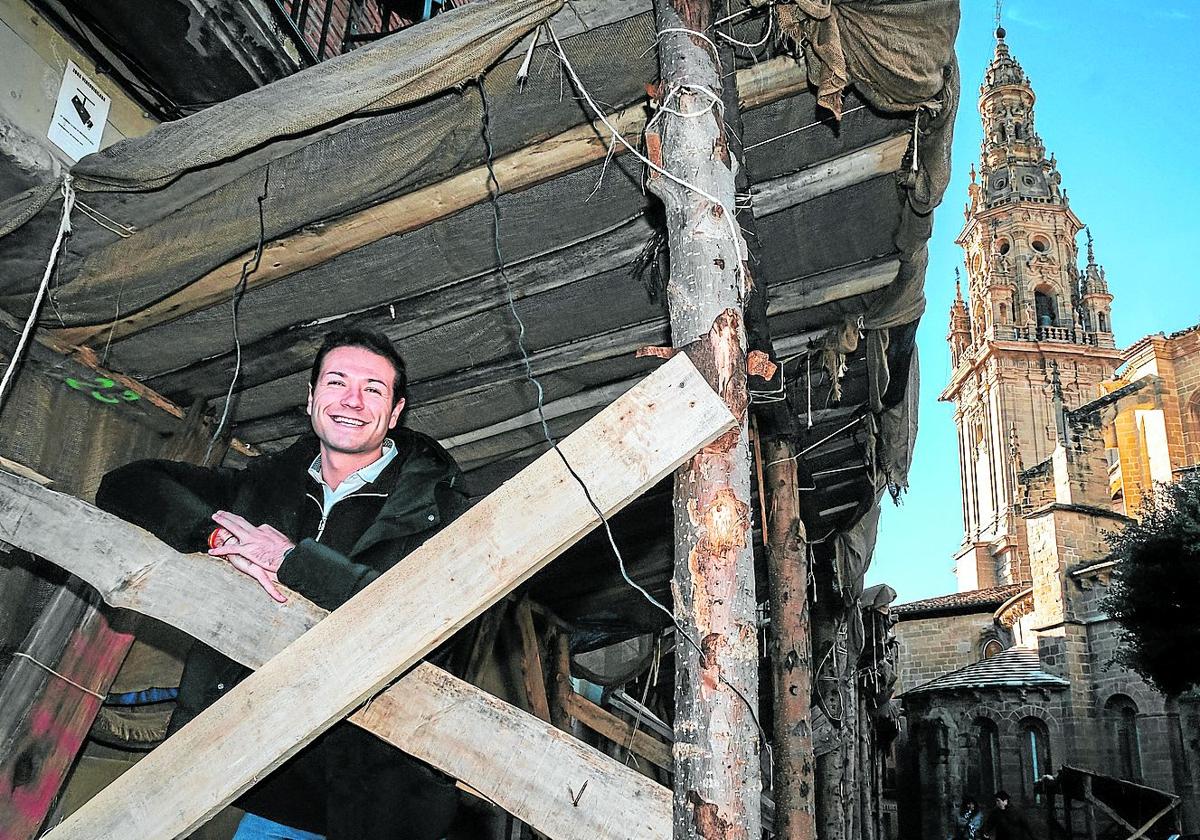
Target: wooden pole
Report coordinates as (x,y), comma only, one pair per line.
(49,698)
(791,647)
(717,780)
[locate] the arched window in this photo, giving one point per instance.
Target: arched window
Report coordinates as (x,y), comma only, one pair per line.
(1004,313)
(1047,311)
(1121,713)
(991,647)
(984,764)
(1103,320)
(1035,756)
(1019,131)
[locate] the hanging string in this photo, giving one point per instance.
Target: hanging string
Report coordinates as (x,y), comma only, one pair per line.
(64,228)
(825,121)
(52,672)
(822,441)
(106,222)
(616,135)
(248,267)
(808,388)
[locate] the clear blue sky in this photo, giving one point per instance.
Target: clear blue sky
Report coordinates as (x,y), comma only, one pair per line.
(1117,103)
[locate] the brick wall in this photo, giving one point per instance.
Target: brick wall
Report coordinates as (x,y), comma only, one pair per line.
(345,16)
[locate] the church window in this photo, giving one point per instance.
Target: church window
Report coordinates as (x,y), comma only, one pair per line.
(984,766)
(1040,245)
(1004,247)
(1121,714)
(1004,313)
(1035,757)
(1047,312)
(1019,131)
(1102,318)
(991,647)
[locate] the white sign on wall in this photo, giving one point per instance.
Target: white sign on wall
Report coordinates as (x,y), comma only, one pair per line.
(79,114)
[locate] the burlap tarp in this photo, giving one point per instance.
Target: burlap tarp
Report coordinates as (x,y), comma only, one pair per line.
(188,191)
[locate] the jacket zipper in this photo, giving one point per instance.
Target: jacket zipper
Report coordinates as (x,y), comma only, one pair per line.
(325,516)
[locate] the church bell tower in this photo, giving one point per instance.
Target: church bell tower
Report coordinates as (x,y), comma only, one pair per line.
(1032,325)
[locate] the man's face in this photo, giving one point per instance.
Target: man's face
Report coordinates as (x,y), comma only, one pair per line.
(351,405)
(1001,803)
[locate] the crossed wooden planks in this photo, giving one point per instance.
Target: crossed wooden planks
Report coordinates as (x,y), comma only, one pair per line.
(332,668)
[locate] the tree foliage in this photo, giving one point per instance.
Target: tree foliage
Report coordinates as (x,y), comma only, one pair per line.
(1156,585)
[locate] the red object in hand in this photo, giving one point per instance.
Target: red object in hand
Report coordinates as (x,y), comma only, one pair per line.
(218,537)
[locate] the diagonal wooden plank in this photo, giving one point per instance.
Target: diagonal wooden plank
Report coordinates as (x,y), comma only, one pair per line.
(404,614)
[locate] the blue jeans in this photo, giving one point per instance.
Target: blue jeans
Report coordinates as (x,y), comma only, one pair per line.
(253,827)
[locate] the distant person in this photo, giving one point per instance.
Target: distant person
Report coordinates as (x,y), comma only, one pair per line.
(1007,822)
(968,822)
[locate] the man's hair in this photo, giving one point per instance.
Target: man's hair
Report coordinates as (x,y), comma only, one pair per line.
(372,340)
(1001,794)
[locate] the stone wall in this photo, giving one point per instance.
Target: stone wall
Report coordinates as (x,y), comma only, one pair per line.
(941,752)
(932,646)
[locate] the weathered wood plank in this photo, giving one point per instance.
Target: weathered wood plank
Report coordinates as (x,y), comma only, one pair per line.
(620,732)
(532,673)
(829,176)
(516,171)
(405,613)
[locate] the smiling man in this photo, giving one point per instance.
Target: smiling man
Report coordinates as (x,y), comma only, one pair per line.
(324,517)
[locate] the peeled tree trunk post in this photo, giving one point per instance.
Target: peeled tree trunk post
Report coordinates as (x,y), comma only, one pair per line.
(717,779)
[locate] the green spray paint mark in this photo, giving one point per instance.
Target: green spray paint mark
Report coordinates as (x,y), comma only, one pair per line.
(102,389)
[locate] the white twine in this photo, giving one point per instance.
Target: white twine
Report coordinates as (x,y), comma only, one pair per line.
(670,176)
(64,227)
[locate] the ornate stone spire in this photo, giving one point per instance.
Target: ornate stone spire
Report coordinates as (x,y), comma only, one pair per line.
(1094,298)
(960,322)
(1013,161)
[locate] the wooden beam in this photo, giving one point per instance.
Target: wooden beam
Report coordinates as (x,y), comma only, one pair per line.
(558,265)
(1146,826)
(287,392)
(570,150)
(1105,807)
(387,627)
(829,176)
(620,732)
(560,686)
(532,674)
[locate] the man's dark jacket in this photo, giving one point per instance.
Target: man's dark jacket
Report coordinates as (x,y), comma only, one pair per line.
(347,784)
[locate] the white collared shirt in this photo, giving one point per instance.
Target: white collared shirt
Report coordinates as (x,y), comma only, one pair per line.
(353,482)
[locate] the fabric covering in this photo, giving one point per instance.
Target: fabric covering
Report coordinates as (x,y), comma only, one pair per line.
(883,48)
(194,184)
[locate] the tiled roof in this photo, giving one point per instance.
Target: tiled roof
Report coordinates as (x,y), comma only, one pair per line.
(974,600)
(1013,668)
